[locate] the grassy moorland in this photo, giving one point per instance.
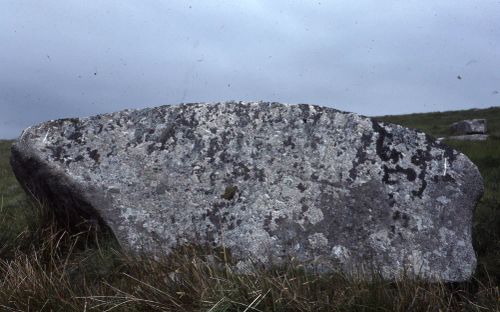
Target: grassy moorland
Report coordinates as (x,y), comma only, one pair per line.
(437,123)
(43,268)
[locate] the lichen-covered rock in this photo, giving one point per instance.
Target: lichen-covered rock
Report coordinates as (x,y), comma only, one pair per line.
(265,180)
(473,126)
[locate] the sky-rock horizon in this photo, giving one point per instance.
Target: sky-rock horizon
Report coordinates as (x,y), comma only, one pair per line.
(73,58)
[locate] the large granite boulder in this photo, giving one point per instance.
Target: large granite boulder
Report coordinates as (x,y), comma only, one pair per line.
(267,181)
(464,127)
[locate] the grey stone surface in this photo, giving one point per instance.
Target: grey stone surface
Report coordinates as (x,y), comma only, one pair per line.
(473,126)
(469,137)
(267,181)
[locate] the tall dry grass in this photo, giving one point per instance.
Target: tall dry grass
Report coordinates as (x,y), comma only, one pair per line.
(86,272)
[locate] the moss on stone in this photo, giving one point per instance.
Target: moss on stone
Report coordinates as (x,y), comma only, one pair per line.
(229,192)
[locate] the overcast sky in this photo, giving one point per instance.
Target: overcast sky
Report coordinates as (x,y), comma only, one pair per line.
(71,58)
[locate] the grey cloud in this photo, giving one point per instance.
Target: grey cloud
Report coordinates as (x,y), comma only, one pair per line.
(76,58)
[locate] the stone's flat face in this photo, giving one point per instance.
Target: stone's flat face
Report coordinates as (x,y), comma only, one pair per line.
(473,126)
(265,180)
(469,137)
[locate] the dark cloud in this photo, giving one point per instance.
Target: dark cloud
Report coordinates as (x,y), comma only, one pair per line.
(78,58)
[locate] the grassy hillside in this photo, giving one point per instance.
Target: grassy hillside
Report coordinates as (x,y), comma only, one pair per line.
(437,123)
(16,213)
(45,269)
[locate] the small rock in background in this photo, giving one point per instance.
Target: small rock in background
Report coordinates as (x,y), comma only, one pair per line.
(469,137)
(469,130)
(473,126)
